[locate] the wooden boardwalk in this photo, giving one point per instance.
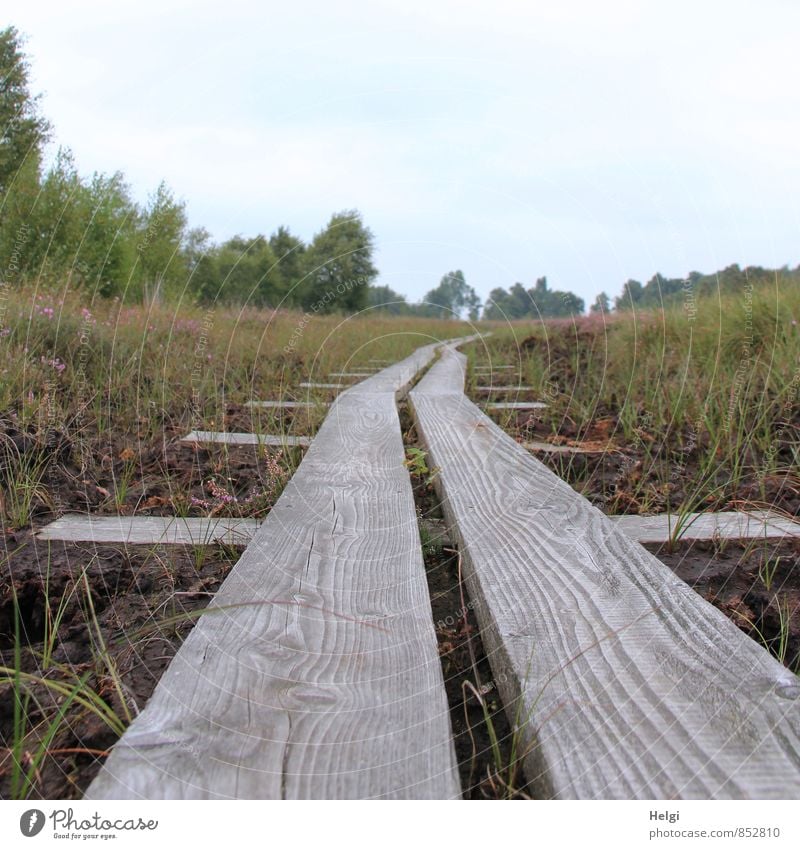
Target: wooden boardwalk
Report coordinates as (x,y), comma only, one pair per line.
(315,672)
(622,681)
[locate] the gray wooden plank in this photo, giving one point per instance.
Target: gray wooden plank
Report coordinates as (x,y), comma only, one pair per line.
(312,385)
(499,388)
(316,674)
(230,438)
(351,374)
(516,405)
(289,405)
(759,524)
(550,448)
(623,681)
(140,530)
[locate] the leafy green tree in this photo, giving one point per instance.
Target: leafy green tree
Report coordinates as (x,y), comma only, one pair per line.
(161,268)
(57,219)
(23,129)
(22,134)
(246,271)
(452,297)
(538,301)
(339,266)
(107,254)
(290,253)
(385,299)
(630,297)
(602,304)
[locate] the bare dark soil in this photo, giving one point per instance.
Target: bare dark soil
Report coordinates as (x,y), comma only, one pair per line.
(756,584)
(144,601)
(141,474)
(143,598)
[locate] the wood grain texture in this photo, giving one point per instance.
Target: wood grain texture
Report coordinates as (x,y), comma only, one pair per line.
(501,388)
(493,368)
(149,530)
(312,385)
(551,448)
(226,438)
(315,673)
(624,682)
(289,405)
(516,405)
(760,524)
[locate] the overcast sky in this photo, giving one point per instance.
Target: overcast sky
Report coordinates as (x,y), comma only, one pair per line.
(588,142)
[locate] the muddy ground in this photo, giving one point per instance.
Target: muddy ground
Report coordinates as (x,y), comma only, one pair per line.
(141,606)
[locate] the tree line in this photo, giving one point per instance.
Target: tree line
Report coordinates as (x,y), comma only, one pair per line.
(58,226)
(662,291)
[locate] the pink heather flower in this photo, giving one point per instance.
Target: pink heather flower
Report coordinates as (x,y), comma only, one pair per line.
(55,363)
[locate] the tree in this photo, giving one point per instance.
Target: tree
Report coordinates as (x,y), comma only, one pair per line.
(23,129)
(246,271)
(452,296)
(602,304)
(162,228)
(538,301)
(22,134)
(290,253)
(107,254)
(339,266)
(385,299)
(631,295)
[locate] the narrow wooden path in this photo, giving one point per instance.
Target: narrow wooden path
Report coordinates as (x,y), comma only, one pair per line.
(315,672)
(622,681)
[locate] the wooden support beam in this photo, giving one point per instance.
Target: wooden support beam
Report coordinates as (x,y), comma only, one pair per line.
(224,438)
(149,530)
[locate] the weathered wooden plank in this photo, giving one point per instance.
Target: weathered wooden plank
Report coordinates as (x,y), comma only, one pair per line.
(761,524)
(550,448)
(516,405)
(225,438)
(316,672)
(623,681)
(141,530)
(312,385)
(351,374)
(499,388)
(289,405)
